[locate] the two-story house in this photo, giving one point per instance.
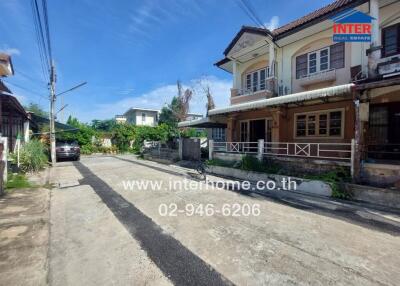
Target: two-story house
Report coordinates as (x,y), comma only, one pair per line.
(141,116)
(307,96)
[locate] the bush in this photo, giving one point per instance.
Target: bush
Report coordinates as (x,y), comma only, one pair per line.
(32,156)
(107,150)
(336,179)
(250,163)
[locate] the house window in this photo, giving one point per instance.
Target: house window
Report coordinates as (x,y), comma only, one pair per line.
(391,40)
(143,117)
(336,57)
(218,134)
(331,57)
(318,61)
(323,123)
(312,63)
(248,82)
(301,66)
(244,131)
(255,80)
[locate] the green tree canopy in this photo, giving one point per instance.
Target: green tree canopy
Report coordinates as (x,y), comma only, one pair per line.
(103,125)
(36,109)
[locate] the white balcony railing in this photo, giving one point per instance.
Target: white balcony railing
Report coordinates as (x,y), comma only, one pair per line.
(328,75)
(268,85)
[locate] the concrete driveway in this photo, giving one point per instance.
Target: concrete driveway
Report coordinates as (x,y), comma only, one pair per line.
(103,233)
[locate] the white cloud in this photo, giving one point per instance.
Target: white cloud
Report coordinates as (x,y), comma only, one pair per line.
(158,97)
(10,51)
(273,23)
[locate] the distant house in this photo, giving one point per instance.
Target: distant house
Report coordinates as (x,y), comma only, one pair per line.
(142,116)
(120,118)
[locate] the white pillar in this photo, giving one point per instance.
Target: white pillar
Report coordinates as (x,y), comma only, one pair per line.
(210,149)
(260,150)
(26,131)
(375,52)
(235,72)
(271,59)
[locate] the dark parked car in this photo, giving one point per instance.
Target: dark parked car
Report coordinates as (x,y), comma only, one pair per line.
(68,150)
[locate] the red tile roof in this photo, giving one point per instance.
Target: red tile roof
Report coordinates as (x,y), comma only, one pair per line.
(317,15)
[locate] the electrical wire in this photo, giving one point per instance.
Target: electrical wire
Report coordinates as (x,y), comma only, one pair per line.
(39,42)
(26,89)
(250,12)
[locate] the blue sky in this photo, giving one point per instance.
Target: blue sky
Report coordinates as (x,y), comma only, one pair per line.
(131,53)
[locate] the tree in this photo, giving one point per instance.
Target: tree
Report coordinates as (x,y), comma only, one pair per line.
(83,135)
(178,109)
(36,109)
(103,125)
(210,100)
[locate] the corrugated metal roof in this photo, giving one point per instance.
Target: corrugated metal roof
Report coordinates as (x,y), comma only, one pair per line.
(291,98)
(194,122)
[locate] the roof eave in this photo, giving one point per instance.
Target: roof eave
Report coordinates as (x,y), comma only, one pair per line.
(247,29)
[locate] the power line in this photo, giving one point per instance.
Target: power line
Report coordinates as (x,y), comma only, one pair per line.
(249,10)
(41,23)
(46,23)
(26,89)
(36,80)
(39,41)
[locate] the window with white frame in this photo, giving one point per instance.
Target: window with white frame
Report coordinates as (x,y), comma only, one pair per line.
(218,134)
(255,80)
(331,57)
(321,123)
(318,61)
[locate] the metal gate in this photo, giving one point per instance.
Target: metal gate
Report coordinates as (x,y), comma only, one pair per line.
(191,149)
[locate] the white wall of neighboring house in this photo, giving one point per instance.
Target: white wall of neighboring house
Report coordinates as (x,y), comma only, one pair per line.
(148,118)
(135,116)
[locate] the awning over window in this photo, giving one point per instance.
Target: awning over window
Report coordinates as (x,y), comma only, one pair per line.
(285,99)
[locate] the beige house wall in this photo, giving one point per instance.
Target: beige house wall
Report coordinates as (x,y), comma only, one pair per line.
(355,54)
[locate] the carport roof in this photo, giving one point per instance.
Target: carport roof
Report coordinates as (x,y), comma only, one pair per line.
(286,99)
(205,122)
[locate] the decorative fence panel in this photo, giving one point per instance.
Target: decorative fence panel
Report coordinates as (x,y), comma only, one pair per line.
(328,151)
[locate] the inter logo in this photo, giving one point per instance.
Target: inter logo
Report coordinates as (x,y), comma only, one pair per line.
(352,26)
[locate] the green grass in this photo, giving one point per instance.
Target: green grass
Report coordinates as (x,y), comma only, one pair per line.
(17,181)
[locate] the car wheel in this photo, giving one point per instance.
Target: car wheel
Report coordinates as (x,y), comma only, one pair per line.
(78,158)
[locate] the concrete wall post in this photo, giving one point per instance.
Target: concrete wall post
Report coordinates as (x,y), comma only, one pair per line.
(180,148)
(260,150)
(210,149)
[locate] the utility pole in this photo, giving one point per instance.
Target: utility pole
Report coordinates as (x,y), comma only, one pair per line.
(52,114)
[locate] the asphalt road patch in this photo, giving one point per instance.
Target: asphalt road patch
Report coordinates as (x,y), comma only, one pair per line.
(177,262)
